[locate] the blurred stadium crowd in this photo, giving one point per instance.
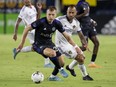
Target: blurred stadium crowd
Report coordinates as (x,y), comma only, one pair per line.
(103,11)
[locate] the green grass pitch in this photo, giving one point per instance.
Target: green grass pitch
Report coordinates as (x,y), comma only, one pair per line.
(17,73)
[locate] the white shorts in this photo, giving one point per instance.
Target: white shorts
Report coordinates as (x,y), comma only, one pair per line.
(68,50)
(30,36)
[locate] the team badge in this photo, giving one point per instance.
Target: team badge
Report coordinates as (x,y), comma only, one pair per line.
(74,27)
(70,52)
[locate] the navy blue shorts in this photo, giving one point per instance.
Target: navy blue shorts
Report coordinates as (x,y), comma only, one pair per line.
(40,49)
(89,32)
(87,28)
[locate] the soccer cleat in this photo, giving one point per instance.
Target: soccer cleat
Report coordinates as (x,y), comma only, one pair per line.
(63,73)
(15,52)
(88,78)
(49,65)
(54,78)
(93,65)
(71,71)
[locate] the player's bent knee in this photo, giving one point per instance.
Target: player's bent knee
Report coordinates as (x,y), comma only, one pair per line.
(49,52)
(80,58)
(52,54)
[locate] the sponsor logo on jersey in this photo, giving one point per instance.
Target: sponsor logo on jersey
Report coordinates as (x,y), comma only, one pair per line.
(53,29)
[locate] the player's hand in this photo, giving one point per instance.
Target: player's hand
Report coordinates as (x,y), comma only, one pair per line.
(15,37)
(39,6)
(79,51)
(94,23)
(20,47)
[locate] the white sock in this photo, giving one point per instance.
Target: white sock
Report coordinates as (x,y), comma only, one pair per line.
(26,49)
(52,76)
(47,61)
(92,62)
(61,68)
(83,69)
(73,64)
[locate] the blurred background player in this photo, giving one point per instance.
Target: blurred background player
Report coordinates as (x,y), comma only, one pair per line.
(71,24)
(28,14)
(88,29)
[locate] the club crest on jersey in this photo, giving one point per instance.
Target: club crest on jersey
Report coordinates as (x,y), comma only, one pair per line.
(70,52)
(53,29)
(74,27)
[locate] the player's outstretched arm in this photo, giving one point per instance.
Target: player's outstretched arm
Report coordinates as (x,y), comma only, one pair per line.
(16,28)
(39,7)
(82,38)
(25,32)
(70,40)
(86,10)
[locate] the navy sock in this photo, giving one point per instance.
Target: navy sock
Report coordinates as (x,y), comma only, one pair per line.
(55,71)
(93,57)
(57,65)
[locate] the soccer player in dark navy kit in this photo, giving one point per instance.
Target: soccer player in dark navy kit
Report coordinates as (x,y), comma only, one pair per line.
(88,29)
(44,29)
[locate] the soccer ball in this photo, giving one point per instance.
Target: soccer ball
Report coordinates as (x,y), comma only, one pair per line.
(37,77)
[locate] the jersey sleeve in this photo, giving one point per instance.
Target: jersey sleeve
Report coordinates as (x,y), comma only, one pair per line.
(22,13)
(59,26)
(35,9)
(78,28)
(36,24)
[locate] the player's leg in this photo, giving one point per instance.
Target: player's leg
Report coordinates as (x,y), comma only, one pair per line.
(30,36)
(53,55)
(95,41)
(53,76)
(79,59)
(70,53)
(71,66)
(61,60)
(47,63)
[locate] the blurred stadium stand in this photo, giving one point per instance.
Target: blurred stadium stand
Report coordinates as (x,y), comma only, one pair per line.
(103,11)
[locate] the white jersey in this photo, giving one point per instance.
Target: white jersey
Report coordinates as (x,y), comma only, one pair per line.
(69,28)
(28,15)
(64,46)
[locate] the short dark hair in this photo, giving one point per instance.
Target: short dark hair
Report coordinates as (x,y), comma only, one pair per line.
(71,6)
(82,0)
(51,8)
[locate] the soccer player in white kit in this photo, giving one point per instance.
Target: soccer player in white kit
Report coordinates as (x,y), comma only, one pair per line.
(28,14)
(71,24)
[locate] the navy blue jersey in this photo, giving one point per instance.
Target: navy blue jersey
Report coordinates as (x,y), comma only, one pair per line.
(85,21)
(44,30)
(81,6)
